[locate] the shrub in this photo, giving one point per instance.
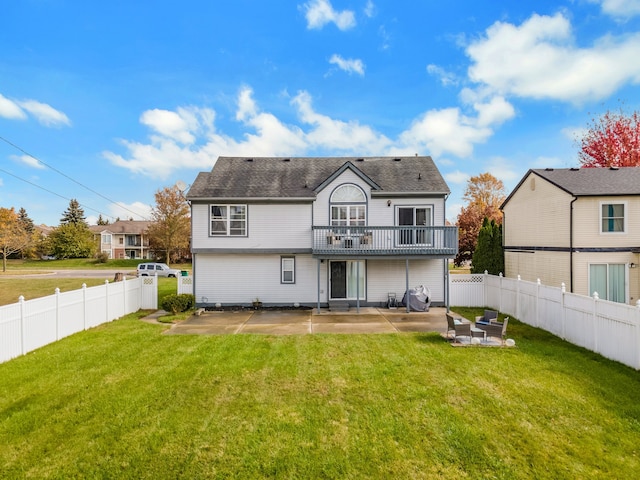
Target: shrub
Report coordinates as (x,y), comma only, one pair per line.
(178,303)
(102,257)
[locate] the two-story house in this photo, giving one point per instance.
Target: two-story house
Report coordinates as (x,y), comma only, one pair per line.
(310,231)
(124,239)
(577,226)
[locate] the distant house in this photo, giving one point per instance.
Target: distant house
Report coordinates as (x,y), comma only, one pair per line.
(124,239)
(580,227)
(319,230)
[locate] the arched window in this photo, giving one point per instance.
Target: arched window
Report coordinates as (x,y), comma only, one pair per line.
(348,206)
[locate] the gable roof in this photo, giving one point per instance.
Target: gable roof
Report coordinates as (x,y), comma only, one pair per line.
(303,177)
(131,227)
(581,182)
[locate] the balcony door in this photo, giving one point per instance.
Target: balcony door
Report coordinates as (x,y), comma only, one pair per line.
(414,217)
(347,280)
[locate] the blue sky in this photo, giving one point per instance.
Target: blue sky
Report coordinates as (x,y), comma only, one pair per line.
(108,102)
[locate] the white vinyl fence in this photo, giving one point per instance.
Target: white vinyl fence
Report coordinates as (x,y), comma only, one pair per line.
(185,285)
(608,328)
(31,324)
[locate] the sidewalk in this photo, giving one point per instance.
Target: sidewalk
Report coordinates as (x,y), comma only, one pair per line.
(299,322)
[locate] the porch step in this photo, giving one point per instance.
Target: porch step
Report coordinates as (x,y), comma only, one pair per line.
(339,306)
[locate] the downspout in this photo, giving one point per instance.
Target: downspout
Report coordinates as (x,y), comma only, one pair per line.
(571,245)
(446,260)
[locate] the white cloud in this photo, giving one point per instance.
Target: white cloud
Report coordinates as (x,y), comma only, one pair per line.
(349,65)
(502,168)
(45,114)
(446,78)
(449,130)
(28,160)
(188,138)
(125,211)
(320,12)
(457,177)
(619,8)
(9,109)
(370,9)
(538,59)
(338,135)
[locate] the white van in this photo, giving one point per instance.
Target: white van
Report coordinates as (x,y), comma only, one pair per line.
(158,269)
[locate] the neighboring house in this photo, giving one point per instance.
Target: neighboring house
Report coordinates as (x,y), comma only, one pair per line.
(577,226)
(309,231)
(124,239)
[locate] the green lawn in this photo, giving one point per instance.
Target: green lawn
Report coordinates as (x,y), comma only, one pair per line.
(123,401)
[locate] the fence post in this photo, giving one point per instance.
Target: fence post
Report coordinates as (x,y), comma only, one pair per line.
(484,290)
(596,297)
(563,316)
(21,302)
(638,332)
(124,295)
(84,306)
(538,283)
(518,297)
(106,295)
(500,296)
(57,292)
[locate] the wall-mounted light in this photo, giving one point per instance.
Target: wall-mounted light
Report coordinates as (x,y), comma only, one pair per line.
(388,203)
(632,265)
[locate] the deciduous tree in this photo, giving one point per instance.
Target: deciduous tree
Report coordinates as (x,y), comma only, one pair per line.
(72,240)
(13,236)
(612,140)
(170,232)
(484,195)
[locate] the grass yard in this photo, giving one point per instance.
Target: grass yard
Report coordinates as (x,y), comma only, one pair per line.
(123,401)
(36,287)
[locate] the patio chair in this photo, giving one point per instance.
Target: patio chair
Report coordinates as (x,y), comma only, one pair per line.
(489,315)
(459,326)
(494,329)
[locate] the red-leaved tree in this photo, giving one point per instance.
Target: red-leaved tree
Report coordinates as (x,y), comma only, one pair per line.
(613,140)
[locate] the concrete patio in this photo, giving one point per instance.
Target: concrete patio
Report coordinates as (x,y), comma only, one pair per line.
(299,322)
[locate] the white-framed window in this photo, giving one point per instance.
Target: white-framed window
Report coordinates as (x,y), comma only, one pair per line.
(613,218)
(609,280)
(287,270)
(228,220)
(416,217)
(348,206)
(106,238)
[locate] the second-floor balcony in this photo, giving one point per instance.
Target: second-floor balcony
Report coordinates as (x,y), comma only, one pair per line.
(390,241)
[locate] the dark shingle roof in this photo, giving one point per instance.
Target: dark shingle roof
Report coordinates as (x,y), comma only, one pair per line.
(594,181)
(302,177)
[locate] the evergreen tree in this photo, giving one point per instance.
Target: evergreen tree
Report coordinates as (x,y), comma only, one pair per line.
(102,221)
(488,255)
(26,222)
(73,214)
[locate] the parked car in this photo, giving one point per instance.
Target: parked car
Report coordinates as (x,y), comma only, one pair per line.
(158,269)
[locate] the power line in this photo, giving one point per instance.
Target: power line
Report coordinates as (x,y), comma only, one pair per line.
(67,177)
(52,193)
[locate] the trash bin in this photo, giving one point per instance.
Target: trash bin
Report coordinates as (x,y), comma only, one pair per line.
(185,273)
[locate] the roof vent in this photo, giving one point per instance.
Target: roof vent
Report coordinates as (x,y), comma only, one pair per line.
(613,168)
(286,159)
(419,176)
(360,160)
(249,159)
(397,159)
(548,169)
(574,169)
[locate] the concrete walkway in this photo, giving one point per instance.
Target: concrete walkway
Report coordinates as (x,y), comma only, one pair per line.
(299,322)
